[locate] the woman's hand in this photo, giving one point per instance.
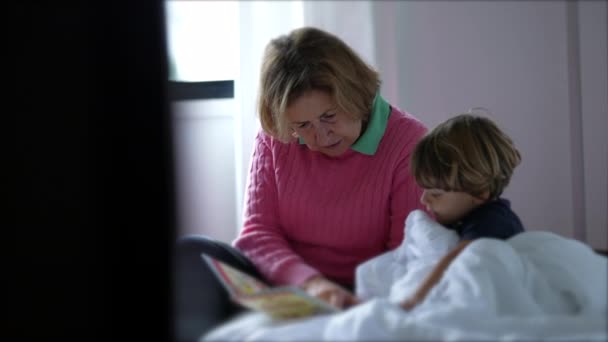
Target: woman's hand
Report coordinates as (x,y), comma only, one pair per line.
(328,291)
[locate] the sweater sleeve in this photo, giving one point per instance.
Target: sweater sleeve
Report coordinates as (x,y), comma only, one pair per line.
(405,193)
(262,239)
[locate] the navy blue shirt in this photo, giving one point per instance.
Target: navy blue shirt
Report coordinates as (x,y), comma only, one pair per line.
(493,219)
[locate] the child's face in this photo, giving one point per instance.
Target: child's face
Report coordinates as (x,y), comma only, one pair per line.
(449,206)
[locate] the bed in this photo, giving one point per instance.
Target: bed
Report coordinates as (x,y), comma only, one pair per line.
(536,286)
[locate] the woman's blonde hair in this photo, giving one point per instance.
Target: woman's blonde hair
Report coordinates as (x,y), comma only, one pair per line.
(311,59)
(467,153)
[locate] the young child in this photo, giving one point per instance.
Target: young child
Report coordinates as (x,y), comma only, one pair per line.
(464,164)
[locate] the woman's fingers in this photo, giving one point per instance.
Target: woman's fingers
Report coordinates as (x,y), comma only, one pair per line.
(333,296)
(330,292)
(351,300)
(337,299)
(343,299)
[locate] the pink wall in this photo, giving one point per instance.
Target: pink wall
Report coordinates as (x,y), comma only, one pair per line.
(540,66)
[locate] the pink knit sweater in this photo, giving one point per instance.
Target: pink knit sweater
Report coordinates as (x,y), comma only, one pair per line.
(306,213)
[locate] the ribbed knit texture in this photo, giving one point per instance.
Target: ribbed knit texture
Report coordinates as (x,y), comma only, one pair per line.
(306,213)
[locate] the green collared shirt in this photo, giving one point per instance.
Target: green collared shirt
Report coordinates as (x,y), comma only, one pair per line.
(370,139)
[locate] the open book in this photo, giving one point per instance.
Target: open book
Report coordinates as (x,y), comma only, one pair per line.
(280,303)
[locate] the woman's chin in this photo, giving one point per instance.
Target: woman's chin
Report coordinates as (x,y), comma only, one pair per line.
(334,151)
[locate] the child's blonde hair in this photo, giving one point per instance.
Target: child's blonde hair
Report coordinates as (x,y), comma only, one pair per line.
(466,153)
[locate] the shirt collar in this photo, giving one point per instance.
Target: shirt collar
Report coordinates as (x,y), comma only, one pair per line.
(370,139)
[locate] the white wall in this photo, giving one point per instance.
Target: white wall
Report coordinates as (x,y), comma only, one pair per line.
(515,58)
(205,167)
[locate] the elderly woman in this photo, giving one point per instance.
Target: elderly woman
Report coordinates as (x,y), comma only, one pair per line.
(329,184)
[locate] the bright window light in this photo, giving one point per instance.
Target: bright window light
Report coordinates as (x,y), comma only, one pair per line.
(203,40)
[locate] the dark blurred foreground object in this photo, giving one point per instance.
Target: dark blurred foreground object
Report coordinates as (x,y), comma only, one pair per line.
(90,216)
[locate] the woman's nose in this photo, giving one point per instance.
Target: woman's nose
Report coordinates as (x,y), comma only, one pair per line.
(323,135)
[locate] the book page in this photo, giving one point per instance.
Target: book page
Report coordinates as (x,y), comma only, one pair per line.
(236,282)
(285,303)
(278,302)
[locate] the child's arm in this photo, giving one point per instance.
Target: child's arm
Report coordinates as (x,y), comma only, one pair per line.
(434,277)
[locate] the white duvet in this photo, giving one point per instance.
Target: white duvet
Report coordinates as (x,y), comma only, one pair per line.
(535,286)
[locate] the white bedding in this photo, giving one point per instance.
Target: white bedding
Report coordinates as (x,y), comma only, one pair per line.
(535,286)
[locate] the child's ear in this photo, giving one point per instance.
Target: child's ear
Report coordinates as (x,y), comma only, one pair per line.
(484,196)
